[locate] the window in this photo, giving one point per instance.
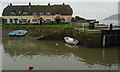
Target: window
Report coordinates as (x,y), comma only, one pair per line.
(34,20)
(25,13)
(11,21)
(34,13)
(24,20)
(5,20)
(13,13)
(41,13)
(16,20)
(19,12)
(48,13)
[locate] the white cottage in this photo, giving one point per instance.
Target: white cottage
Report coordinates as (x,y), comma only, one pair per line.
(34,13)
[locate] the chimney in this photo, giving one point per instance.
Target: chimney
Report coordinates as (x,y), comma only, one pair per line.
(29,4)
(10,4)
(49,4)
(63,3)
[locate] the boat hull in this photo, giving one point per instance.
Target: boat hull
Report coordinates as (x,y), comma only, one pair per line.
(70,40)
(18,33)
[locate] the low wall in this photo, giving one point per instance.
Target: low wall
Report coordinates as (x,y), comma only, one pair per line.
(88,38)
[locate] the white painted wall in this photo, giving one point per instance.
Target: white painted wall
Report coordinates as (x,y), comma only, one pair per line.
(67,18)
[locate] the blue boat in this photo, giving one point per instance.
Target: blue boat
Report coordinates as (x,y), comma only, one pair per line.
(18,33)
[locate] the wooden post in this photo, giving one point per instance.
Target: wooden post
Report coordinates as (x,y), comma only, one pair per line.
(104,41)
(110,26)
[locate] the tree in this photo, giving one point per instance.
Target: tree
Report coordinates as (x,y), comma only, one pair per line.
(79,18)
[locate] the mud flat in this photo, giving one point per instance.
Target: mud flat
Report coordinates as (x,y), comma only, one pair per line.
(86,37)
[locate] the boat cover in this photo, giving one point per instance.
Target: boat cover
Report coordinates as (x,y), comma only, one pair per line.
(17,31)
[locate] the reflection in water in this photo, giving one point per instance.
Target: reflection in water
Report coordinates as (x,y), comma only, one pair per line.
(33,47)
(29,48)
(71,46)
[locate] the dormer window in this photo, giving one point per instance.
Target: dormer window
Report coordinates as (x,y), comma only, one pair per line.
(13,13)
(19,12)
(34,13)
(25,13)
(48,13)
(41,13)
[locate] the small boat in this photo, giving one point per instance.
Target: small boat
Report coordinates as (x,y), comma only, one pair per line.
(18,33)
(71,40)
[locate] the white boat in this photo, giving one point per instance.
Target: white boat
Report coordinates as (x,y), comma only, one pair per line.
(71,40)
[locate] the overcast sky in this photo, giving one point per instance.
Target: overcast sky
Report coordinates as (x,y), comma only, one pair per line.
(93,9)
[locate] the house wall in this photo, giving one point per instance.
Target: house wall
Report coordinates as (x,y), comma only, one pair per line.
(66,17)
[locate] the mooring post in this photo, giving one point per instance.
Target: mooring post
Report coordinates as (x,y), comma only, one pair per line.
(104,41)
(111,26)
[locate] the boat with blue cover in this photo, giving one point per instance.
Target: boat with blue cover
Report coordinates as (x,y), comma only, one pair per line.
(17,33)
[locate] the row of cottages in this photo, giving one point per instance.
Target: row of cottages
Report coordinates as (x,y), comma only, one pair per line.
(36,13)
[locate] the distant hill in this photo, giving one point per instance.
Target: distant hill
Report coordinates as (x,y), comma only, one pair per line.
(112,17)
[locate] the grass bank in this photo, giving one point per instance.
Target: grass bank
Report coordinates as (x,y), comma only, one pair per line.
(54,25)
